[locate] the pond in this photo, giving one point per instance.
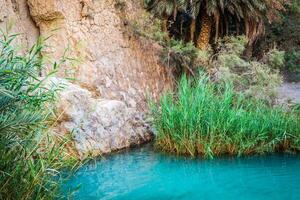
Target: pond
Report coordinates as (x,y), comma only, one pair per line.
(143,173)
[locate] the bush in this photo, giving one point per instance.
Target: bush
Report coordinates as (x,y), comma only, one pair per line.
(149,27)
(256,79)
(275,59)
(292,59)
(176,54)
(204,118)
(184,57)
(30,159)
(285,35)
(294,7)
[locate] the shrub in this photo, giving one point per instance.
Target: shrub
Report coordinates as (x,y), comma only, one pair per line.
(184,57)
(258,79)
(204,118)
(294,7)
(30,159)
(177,54)
(292,59)
(285,35)
(275,59)
(149,27)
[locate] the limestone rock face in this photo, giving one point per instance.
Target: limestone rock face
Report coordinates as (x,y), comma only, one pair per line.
(115,72)
(115,65)
(15,18)
(97,125)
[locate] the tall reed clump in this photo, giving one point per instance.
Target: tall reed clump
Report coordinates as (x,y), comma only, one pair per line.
(30,159)
(207,119)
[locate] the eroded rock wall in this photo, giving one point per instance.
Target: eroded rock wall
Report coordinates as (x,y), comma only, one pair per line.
(109,62)
(111,66)
(15,18)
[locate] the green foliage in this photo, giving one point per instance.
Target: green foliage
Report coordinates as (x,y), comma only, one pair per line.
(149,27)
(294,7)
(292,59)
(30,159)
(234,45)
(275,58)
(183,56)
(223,14)
(258,79)
(177,54)
(204,118)
(165,8)
(285,35)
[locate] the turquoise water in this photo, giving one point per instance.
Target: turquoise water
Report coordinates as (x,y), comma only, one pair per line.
(144,174)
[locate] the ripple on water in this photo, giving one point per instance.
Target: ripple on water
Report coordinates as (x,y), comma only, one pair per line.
(145,174)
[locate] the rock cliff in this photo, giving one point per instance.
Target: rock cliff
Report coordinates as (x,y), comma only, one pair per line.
(114,72)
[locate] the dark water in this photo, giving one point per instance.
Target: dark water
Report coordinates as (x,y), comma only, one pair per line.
(143,174)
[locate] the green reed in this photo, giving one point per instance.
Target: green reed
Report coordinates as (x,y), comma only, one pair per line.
(203,118)
(30,157)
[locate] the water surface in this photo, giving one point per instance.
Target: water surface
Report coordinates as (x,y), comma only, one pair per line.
(145,174)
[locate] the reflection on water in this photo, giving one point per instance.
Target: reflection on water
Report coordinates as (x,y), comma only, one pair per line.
(145,174)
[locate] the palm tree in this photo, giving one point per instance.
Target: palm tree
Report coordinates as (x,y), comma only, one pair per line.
(219,14)
(251,13)
(165,9)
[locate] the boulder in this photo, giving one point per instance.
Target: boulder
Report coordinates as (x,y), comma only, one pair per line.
(97,125)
